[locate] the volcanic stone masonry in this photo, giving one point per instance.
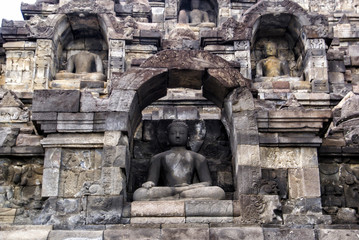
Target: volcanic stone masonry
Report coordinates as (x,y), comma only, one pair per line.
(180,119)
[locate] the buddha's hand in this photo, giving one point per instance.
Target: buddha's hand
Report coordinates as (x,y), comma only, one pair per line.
(148,184)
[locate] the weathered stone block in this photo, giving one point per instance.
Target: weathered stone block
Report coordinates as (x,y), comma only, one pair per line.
(7,215)
(215,208)
(304,182)
(56,101)
(294,219)
(336,66)
(288,157)
(248,179)
(25,234)
(209,219)
(122,100)
(169,112)
(116,121)
(8,136)
(320,86)
(113,180)
(44,116)
(248,155)
(157,220)
(52,158)
(303,206)
(50,184)
(28,140)
(288,234)
(75,234)
(188,231)
(114,156)
(158,209)
(73,140)
(336,77)
(75,122)
(13,114)
(69,206)
(187,78)
(275,182)
(92,103)
(187,113)
(245,120)
(104,210)
(133,233)
(245,233)
(251,209)
(33,150)
(112,138)
(337,234)
(249,137)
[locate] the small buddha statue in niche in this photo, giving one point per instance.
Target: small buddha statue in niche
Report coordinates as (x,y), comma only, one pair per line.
(177,168)
(196,16)
(83,65)
(271,66)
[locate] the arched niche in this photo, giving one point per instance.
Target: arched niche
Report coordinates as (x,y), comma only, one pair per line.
(206,7)
(283,31)
(79,32)
(169,69)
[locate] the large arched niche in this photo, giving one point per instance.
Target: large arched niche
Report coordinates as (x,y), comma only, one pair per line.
(180,69)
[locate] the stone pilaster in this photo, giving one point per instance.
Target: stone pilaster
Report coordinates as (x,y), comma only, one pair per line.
(116,58)
(316,65)
(242,55)
(44,63)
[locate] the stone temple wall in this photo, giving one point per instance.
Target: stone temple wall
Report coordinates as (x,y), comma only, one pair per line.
(269,90)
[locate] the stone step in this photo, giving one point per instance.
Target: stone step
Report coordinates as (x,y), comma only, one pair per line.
(181,231)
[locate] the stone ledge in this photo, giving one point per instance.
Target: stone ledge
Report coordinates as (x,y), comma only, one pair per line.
(182,231)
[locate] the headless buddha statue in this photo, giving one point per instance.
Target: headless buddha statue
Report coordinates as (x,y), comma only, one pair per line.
(83,65)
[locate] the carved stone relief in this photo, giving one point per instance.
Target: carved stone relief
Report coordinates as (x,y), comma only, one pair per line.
(339,187)
(21,181)
(19,68)
(77,168)
(198,13)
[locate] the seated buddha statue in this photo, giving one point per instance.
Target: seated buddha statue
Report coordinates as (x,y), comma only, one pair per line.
(177,168)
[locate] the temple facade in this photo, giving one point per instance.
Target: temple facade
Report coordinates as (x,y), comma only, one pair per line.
(265,92)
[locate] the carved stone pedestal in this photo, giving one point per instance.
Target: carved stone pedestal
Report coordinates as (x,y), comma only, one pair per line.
(182,211)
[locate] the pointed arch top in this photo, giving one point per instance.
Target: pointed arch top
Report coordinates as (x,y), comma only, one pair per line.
(311,25)
(181,68)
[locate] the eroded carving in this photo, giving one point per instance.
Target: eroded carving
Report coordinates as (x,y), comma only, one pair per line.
(271,66)
(200,13)
(83,65)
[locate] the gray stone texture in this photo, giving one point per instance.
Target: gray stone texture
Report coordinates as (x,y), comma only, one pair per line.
(132,233)
(185,231)
(288,234)
(158,209)
(219,208)
(83,235)
(287,149)
(337,234)
(56,101)
(254,233)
